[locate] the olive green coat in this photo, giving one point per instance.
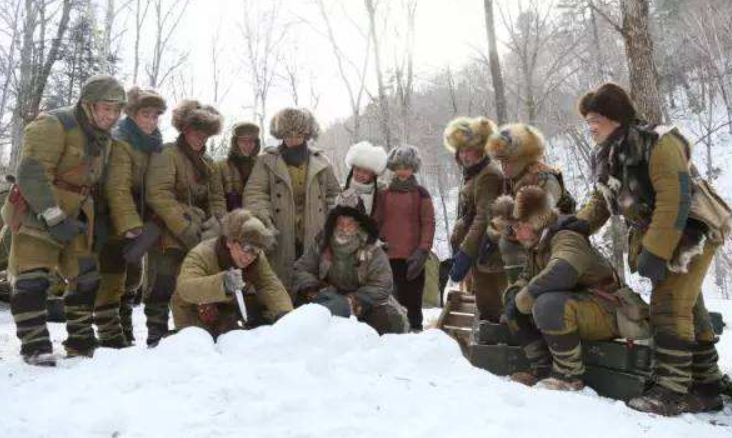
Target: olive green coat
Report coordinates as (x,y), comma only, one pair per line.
(52,152)
(668,169)
(173,190)
(375,281)
(269,192)
(125,184)
(474,215)
(201,281)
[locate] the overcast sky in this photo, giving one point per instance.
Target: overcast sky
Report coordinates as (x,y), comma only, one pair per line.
(448,33)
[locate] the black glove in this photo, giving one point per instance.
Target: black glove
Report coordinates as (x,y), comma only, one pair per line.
(486,250)
(571,223)
(460,266)
(509,305)
(66,230)
(337,304)
(651,267)
(415,263)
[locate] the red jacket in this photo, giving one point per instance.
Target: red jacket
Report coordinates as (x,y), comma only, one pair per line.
(406,221)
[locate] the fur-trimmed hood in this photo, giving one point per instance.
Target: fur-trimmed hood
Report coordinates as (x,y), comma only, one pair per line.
(367,156)
(349,203)
(294,121)
(516,141)
(193,114)
(468,132)
(138,99)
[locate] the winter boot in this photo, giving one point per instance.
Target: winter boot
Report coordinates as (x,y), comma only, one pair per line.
(157,315)
(109,328)
(125,314)
(660,401)
(79,308)
(559,382)
(705,397)
(40,359)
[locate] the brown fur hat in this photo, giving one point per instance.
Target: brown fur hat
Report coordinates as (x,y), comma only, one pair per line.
(502,216)
(468,132)
(138,99)
(609,100)
(294,121)
(193,114)
(245,227)
(244,129)
(532,205)
(516,141)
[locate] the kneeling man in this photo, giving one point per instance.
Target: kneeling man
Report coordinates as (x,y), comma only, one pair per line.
(217,268)
(569,293)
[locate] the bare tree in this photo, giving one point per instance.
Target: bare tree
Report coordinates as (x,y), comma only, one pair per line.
(495,64)
(348,70)
(141,9)
(385,119)
(167,20)
(404,71)
(37,57)
(264,34)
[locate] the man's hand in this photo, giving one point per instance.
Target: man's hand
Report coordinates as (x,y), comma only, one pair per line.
(233,282)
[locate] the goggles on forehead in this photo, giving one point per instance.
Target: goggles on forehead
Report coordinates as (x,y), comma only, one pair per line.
(249,248)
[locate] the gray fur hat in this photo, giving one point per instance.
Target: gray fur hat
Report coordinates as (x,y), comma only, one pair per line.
(404,156)
(291,121)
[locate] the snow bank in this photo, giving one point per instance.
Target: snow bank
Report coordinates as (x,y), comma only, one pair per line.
(310,375)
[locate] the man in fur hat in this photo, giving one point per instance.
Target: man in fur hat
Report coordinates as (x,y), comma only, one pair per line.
(185,194)
(51,214)
(294,186)
(237,167)
(519,148)
(138,138)
(366,163)
(645,174)
(569,293)
(348,271)
(473,249)
(217,268)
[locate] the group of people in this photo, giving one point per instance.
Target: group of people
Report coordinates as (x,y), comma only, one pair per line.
(241,242)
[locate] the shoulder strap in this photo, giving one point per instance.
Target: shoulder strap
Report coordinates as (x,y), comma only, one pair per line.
(66,117)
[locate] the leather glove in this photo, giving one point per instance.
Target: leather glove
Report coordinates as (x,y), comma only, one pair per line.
(651,266)
(415,263)
(233,282)
(524,301)
(338,304)
(66,230)
(211,228)
(570,223)
(460,267)
(191,236)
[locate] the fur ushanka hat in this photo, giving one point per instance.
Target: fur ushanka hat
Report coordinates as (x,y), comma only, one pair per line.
(532,205)
(243,226)
(297,121)
(138,99)
(192,114)
(367,156)
(468,132)
(404,156)
(611,101)
(516,141)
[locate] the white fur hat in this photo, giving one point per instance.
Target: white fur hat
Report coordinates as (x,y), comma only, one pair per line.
(367,156)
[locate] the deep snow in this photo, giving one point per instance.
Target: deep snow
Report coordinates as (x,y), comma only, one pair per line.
(310,375)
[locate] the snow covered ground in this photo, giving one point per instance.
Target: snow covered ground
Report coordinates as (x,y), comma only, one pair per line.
(310,375)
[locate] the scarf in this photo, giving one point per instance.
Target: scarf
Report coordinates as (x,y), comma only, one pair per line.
(470,172)
(365,192)
(96,139)
(294,156)
(202,169)
(403,186)
(147,143)
(603,161)
(242,163)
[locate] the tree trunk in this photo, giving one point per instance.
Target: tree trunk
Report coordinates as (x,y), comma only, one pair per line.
(495,64)
(383,102)
(643,75)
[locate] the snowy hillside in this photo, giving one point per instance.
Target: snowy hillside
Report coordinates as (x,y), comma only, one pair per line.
(308,376)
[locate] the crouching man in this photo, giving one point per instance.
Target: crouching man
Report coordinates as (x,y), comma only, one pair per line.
(569,294)
(217,268)
(348,271)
